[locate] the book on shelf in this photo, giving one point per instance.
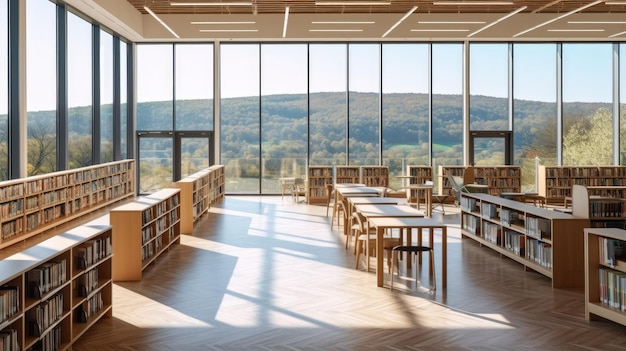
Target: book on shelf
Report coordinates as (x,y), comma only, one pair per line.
(612,288)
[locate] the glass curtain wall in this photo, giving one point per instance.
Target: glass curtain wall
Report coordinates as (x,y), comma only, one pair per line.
(447,106)
(328,119)
(587,110)
(41,86)
(534,109)
(364,104)
(194,86)
(79,91)
(106,97)
(284,122)
(405,108)
(240,117)
(123,100)
(489,86)
(4,91)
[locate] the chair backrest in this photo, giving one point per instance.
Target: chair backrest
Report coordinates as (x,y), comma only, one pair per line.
(456,183)
(329,193)
(468,175)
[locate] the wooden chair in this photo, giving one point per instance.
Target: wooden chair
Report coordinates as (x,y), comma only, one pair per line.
(369,238)
(330,198)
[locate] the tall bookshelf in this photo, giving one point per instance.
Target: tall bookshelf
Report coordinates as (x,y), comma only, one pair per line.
(499,179)
(347,174)
(317,179)
(555,182)
(143,230)
(418,175)
(548,242)
(605,274)
(33,205)
(53,292)
(377,176)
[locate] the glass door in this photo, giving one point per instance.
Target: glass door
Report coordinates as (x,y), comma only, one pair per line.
(490,148)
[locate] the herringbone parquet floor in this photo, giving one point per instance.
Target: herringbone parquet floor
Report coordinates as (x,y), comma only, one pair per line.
(263,273)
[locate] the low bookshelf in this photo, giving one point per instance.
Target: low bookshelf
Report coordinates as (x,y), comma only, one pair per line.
(318,177)
(555,182)
(143,230)
(499,179)
(418,175)
(605,274)
(53,292)
(548,242)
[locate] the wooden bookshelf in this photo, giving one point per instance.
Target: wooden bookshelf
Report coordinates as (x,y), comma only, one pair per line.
(317,179)
(605,274)
(555,182)
(217,184)
(500,179)
(548,242)
(33,205)
(377,176)
(418,175)
(143,230)
(347,174)
(198,192)
(56,290)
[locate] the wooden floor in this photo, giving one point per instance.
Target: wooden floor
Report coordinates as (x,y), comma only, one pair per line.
(263,273)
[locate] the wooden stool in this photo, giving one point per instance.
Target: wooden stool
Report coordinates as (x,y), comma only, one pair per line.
(413,249)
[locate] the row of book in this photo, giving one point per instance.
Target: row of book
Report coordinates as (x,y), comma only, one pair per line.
(594,171)
(46,277)
(88,308)
(471,224)
(11,191)
(11,229)
(49,342)
(147,233)
(52,213)
(320,181)
(93,251)
(53,182)
(539,252)
(613,288)
(611,251)
(8,340)
(468,204)
(491,232)
(514,242)
(489,211)
(497,172)
(320,172)
(568,182)
(11,209)
(150,248)
(538,228)
(509,217)
(88,282)
(45,314)
(9,301)
(609,209)
(53,197)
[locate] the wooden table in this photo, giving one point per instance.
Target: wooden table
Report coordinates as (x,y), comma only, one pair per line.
(353,201)
(345,191)
(428,196)
(409,223)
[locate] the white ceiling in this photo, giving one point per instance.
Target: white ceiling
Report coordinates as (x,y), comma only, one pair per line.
(125,19)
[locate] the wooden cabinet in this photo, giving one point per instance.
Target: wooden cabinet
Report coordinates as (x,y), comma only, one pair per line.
(347,174)
(377,176)
(500,179)
(142,230)
(53,292)
(546,241)
(555,182)
(317,179)
(605,274)
(33,205)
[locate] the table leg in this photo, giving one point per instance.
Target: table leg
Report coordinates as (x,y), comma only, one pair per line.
(380,272)
(444,256)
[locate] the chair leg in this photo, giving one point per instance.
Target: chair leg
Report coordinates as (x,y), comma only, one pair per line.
(358,252)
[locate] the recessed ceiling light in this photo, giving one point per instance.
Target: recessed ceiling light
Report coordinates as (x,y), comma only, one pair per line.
(472,3)
(343,22)
(335,30)
(352,3)
(615,3)
(439,30)
(617,34)
(451,22)
(160,21)
(215,22)
(597,22)
(557,18)
(575,30)
(227,30)
(406,15)
(230,3)
(498,20)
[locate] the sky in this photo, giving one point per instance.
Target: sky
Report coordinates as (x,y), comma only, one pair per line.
(586,67)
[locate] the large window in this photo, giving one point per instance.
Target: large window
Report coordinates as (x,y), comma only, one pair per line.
(364,104)
(79,91)
(406,119)
(622,103)
(240,117)
(328,64)
(155,74)
(587,97)
(283,113)
(447,105)
(488,76)
(123,100)
(106,97)
(194,86)
(4,92)
(534,108)
(41,86)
